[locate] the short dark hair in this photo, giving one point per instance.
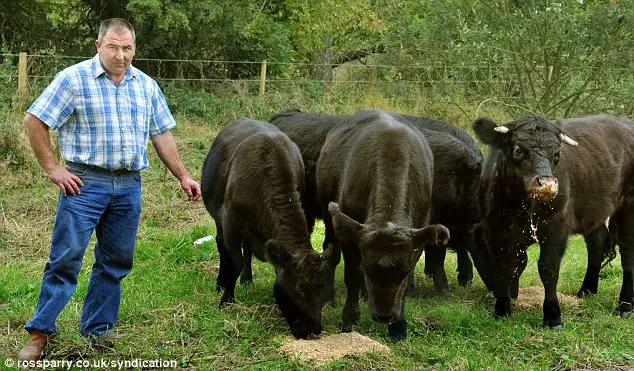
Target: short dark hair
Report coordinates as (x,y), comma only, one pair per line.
(117,25)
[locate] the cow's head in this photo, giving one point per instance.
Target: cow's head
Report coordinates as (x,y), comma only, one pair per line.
(300,285)
(530,148)
(388,256)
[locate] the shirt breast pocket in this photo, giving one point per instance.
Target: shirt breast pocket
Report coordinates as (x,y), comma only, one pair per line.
(141,116)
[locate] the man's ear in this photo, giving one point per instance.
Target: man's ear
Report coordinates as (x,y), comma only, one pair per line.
(489,133)
(346,228)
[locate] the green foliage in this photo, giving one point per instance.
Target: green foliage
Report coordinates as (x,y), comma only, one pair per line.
(555,57)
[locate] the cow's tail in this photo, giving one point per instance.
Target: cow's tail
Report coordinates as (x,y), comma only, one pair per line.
(609,251)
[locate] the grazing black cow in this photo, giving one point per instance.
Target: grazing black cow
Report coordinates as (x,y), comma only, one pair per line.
(252,180)
(308,131)
(458,163)
(374,178)
(534,188)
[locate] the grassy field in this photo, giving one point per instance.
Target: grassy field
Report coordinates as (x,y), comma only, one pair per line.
(170,309)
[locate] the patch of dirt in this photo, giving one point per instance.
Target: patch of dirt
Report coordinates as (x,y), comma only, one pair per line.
(330,347)
(533,296)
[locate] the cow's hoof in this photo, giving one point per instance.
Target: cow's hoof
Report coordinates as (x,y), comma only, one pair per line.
(245,281)
(225,302)
(557,328)
(464,282)
(624,310)
(397,330)
(584,291)
(346,328)
(502,310)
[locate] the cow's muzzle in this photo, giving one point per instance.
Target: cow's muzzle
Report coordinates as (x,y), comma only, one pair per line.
(384,319)
(544,188)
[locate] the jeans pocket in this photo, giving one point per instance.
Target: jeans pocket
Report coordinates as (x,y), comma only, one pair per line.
(77,169)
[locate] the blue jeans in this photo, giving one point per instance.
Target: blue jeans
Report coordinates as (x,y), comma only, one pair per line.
(110,204)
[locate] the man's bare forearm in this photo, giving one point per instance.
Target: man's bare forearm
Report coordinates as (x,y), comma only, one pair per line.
(40,140)
(167,150)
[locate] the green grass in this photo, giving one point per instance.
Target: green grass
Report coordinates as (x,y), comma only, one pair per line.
(170,309)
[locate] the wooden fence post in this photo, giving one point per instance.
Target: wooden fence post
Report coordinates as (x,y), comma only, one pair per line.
(22,77)
(262,79)
(550,73)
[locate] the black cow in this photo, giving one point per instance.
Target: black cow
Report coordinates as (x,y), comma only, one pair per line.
(252,180)
(308,131)
(458,163)
(534,188)
(374,178)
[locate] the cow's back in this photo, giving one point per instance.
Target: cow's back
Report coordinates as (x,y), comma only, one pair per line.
(218,161)
(377,157)
(265,167)
(456,182)
(598,174)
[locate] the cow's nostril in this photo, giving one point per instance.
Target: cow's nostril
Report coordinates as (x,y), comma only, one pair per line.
(546,181)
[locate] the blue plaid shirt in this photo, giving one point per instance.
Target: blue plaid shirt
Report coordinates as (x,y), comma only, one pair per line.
(100,123)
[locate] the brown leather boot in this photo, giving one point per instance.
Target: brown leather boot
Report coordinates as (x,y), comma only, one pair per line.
(34,347)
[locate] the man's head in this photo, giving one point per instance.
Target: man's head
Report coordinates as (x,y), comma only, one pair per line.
(116,46)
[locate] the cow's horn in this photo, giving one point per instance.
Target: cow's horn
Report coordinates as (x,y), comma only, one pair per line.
(501,129)
(566,139)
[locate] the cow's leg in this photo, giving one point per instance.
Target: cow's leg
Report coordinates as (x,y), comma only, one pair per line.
(624,221)
(522,261)
(221,280)
(430,263)
(397,330)
(502,291)
(354,279)
(436,257)
(233,244)
(246,276)
(335,258)
(595,245)
(552,250)
(465,267)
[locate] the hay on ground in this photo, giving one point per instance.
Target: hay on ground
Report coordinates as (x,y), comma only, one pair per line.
(330,347)
(533,296)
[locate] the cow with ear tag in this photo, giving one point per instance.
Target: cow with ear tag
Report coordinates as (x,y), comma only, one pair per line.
(543,181)
(374,179)
(252,184)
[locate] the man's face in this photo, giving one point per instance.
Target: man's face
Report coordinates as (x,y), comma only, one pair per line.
(116,51)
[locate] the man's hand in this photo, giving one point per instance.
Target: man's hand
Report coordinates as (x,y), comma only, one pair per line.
(67,181)
(191,187)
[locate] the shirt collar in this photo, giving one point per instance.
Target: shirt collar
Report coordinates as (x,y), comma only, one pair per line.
(98,70)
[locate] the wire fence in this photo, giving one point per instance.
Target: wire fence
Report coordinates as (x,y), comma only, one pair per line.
(574,88)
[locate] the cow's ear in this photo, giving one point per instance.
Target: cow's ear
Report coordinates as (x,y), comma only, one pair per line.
(346,228)
(276,253)
(432,235)
(331,255)
(489,133)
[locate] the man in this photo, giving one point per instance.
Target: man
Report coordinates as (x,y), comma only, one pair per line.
(105,110)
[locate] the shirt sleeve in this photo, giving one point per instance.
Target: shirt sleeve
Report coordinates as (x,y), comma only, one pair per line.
(162,119)
(56,104)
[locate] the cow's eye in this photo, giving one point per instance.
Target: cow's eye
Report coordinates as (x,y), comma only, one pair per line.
(557,156)
(517,153)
